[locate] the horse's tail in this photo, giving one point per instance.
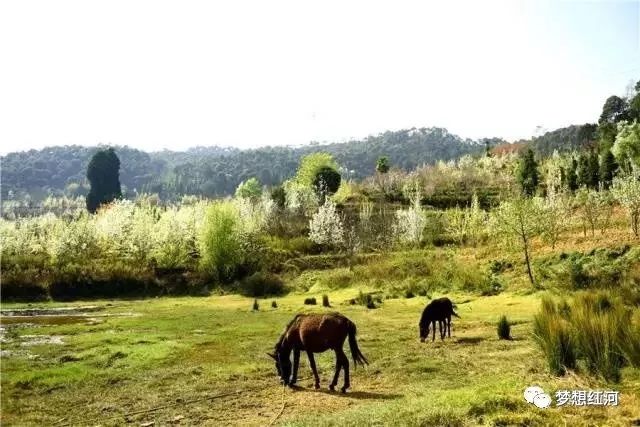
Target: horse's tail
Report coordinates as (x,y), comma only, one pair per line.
(454,313)
(358,357)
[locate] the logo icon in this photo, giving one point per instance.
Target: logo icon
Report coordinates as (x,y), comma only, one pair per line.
(537,396)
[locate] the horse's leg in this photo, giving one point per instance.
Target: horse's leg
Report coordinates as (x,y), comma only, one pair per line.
(449,325)
(344,361)
(442,324)
(296,362)
(312,362)
(433,336)
(337,374)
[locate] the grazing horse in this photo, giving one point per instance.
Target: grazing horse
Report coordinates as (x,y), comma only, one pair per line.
(316,333)
(439,310)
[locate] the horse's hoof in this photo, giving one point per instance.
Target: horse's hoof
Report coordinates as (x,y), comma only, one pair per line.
(317,386)
(332,388)
(343,389)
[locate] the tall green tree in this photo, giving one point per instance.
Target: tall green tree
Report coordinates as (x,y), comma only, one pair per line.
(614,111)
(593,170)
(572,177)
(528,176)
(326,182)
(608,168)
(103,174)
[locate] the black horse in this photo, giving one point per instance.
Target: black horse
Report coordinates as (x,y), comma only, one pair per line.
(316,333)
(439,310)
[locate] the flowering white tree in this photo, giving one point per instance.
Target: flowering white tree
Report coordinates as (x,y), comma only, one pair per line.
(300,198)
(626,190)
(557,214)
(325,227)
(518,222)
(410,222)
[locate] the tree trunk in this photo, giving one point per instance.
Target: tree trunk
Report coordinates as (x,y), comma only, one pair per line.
(525,244)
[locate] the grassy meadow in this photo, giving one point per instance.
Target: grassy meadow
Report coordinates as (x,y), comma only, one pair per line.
(175,354)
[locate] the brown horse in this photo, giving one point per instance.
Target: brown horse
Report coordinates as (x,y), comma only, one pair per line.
(316,333)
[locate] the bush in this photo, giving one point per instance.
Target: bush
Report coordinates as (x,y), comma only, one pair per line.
(366,300)
(504,329)
(220,242)
(310,301)
(274,304)
(256,306)
(325,301)
(262,284)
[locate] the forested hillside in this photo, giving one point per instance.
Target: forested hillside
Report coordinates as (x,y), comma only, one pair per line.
(214,171)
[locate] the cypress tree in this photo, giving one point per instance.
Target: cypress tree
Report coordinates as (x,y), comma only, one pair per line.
(608,168)
(572,178)
(528,176)
(583,171)
(103,174)
(594,170)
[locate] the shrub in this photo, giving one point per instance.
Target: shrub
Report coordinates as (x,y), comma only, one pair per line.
(325,301)
(262,284)
(367,300)
(256,306)
(220,242)
(274,304)
(504,329)
(409,294)
(310,301)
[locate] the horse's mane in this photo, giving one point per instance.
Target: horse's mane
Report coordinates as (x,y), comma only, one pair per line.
(286,329)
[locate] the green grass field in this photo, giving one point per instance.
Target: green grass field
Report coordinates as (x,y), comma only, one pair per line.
(167,352)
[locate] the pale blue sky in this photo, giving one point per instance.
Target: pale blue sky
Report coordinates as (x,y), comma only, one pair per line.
(156,74)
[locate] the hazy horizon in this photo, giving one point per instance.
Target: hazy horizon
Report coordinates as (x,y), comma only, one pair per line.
(154,76)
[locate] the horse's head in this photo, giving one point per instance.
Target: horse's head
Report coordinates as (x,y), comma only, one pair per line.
(283,364)
(424,330)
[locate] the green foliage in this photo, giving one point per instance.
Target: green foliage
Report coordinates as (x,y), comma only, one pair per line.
(504,328)
(608,169)
(366,300)
(220,242)
(310,301)
(553,334)
(326,181)
(382,164)
(103,174)
(528,176)
(274,304)
(278,196)
(249,189)
(595,328)
(627,146)
(311,165)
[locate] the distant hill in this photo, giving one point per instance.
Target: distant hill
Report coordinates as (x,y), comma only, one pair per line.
(215,171)
(575,137)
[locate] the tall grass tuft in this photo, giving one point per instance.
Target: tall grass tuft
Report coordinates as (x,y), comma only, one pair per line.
(504,329)
(596,323)
(553,334)
(595,328)
(325,301)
